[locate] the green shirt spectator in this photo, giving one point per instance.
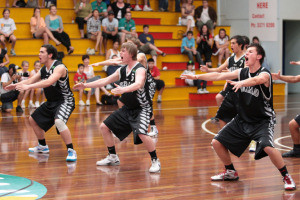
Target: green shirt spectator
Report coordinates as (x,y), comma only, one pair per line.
(126,25)
(101,6)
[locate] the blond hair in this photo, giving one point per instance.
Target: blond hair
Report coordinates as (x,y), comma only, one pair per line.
(131,48)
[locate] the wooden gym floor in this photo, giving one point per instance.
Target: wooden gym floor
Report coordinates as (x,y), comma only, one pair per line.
(183,146)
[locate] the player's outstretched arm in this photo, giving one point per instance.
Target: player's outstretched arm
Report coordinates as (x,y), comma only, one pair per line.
(33,79)
(295,62)
(214,76)
(289,79)
(222,67)
(116,61)
(263,78)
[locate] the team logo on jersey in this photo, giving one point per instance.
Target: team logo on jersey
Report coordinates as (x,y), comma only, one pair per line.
(250,90)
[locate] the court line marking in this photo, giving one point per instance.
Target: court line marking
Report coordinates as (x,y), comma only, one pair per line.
(18,190)
(276,141)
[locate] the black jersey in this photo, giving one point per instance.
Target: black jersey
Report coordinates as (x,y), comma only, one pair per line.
(141,97)
(60,90)
(234,65)
(255,102)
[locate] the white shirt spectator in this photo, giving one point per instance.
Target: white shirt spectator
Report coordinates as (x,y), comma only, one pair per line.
(204,16)
(189,82)
(221,41)
(7,25)
(4,79)
(110,26)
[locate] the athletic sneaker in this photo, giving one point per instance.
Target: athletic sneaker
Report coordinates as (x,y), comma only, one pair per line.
(37,104)
(137,8)
(12,52)
(23,104)
(153,131)
(205,91)
(111,159)
(31,105)
(227,175)
(88,102)
(200,91)
(147,8)
(39,149)
(19,109)
(81,103)
(72,156)
(289,183)
(291,153)
(252,147)
(155,167)
(159,99)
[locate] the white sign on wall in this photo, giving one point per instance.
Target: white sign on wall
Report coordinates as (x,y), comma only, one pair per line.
(263,19)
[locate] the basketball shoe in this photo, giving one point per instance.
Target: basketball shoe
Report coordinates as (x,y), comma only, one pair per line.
(155,167)
(227,175)
(289,183)
(72,156)
(111,159)
(39,149)
(291,153)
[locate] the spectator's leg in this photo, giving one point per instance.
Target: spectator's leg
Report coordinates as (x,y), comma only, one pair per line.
(52,37)
(177,6)
(80,22)
(204,83)
(188,25)
(7,3)
(104,35)
(74,2)
(38,94)
(89,95)
(189,53)
(14,3)
(97,95)
(199,24)
(99,42)
(210,25)
(155,60)
(65,40)
(104,90)
(2,41)
(20,98)
(123,35)
(197,83)
(13,40)
(221,55)
(227,53)
(161,87)
(198,58)
(80,95)
(152,47)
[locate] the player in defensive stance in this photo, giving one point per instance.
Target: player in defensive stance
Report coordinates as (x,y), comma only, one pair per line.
(135,115)
(54,78)
(255,119)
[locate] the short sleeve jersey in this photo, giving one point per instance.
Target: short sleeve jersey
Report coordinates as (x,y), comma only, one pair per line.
(101,8)
(60,90)
(126,25)
(255,102)
(139,98)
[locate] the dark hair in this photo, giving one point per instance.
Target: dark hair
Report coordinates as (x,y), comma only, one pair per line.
(255,38)
(95,11)
(12,66)
(190,62)
(240,40)
(260,51)
(114,56)
(37,61)
(85,57)
(51,50)
(190,32)
(201,32)
(6,9)
(52,5)
(150,60)
(80,65)
(36,8)
(246,39)
(145,26)
(222,29)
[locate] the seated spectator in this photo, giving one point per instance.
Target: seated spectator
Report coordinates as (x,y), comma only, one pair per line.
(24,73)
(188,47)
(146,7)
(221,42)
(33,3)
(164,4)
(114,51)
(8,97)
(205,41)
(3,55)
(75,2)
(127,27)
(38,28)
(160,84)
(147,44)
(206,15)
(120,8)
(83,10)
(48,3)
(265,62)
(80,77)
(55,25)
(7,29)
(39,91)
(190,82)
(110,29)
(94,31)
(110,70)
(89,71)
(101,6)
(187,15)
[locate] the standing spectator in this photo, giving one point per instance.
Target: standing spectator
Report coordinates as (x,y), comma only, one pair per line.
(110,29)
(189,71)
(94,30)
(164,4)
(101,6)
(80,77)
(3,55)
(265,62)
(205,41)
(147,44)
(188,47)
(83,11)
(222,42)
(38,28)
(55,25)
(127,27)
(160,84)
(146,7)
(120,8)
(8,97)
(205,15)
(38,91)
(7,29)
(24,73)
(187,15)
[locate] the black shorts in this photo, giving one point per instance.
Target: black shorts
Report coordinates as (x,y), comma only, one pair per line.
(110,36)
(124,121)
(223,93)
(229,107)
(46,114)
(297,119)
(159,84)
(237,135)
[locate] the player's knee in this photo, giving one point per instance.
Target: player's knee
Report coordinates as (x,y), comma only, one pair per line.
(31,121)
(215,143)
(267,149)
(293,124)
(60,125)
(103,128)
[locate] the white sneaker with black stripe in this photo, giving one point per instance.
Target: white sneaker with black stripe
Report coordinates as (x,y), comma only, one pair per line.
(111,159)
(227,175)
(39,149)
(155,167)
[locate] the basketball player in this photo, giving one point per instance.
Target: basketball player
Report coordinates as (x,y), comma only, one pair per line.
(60,101)
(294,124)
(135,115)
(255,118)
(227,110)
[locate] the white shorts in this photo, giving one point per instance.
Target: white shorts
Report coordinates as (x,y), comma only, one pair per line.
(185,20)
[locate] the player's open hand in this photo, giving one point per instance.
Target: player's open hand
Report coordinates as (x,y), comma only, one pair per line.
(188,76)
(79,86)
(236,85)
(276,76)
(118,89)
(203,68)
(10,87)
(22,87)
